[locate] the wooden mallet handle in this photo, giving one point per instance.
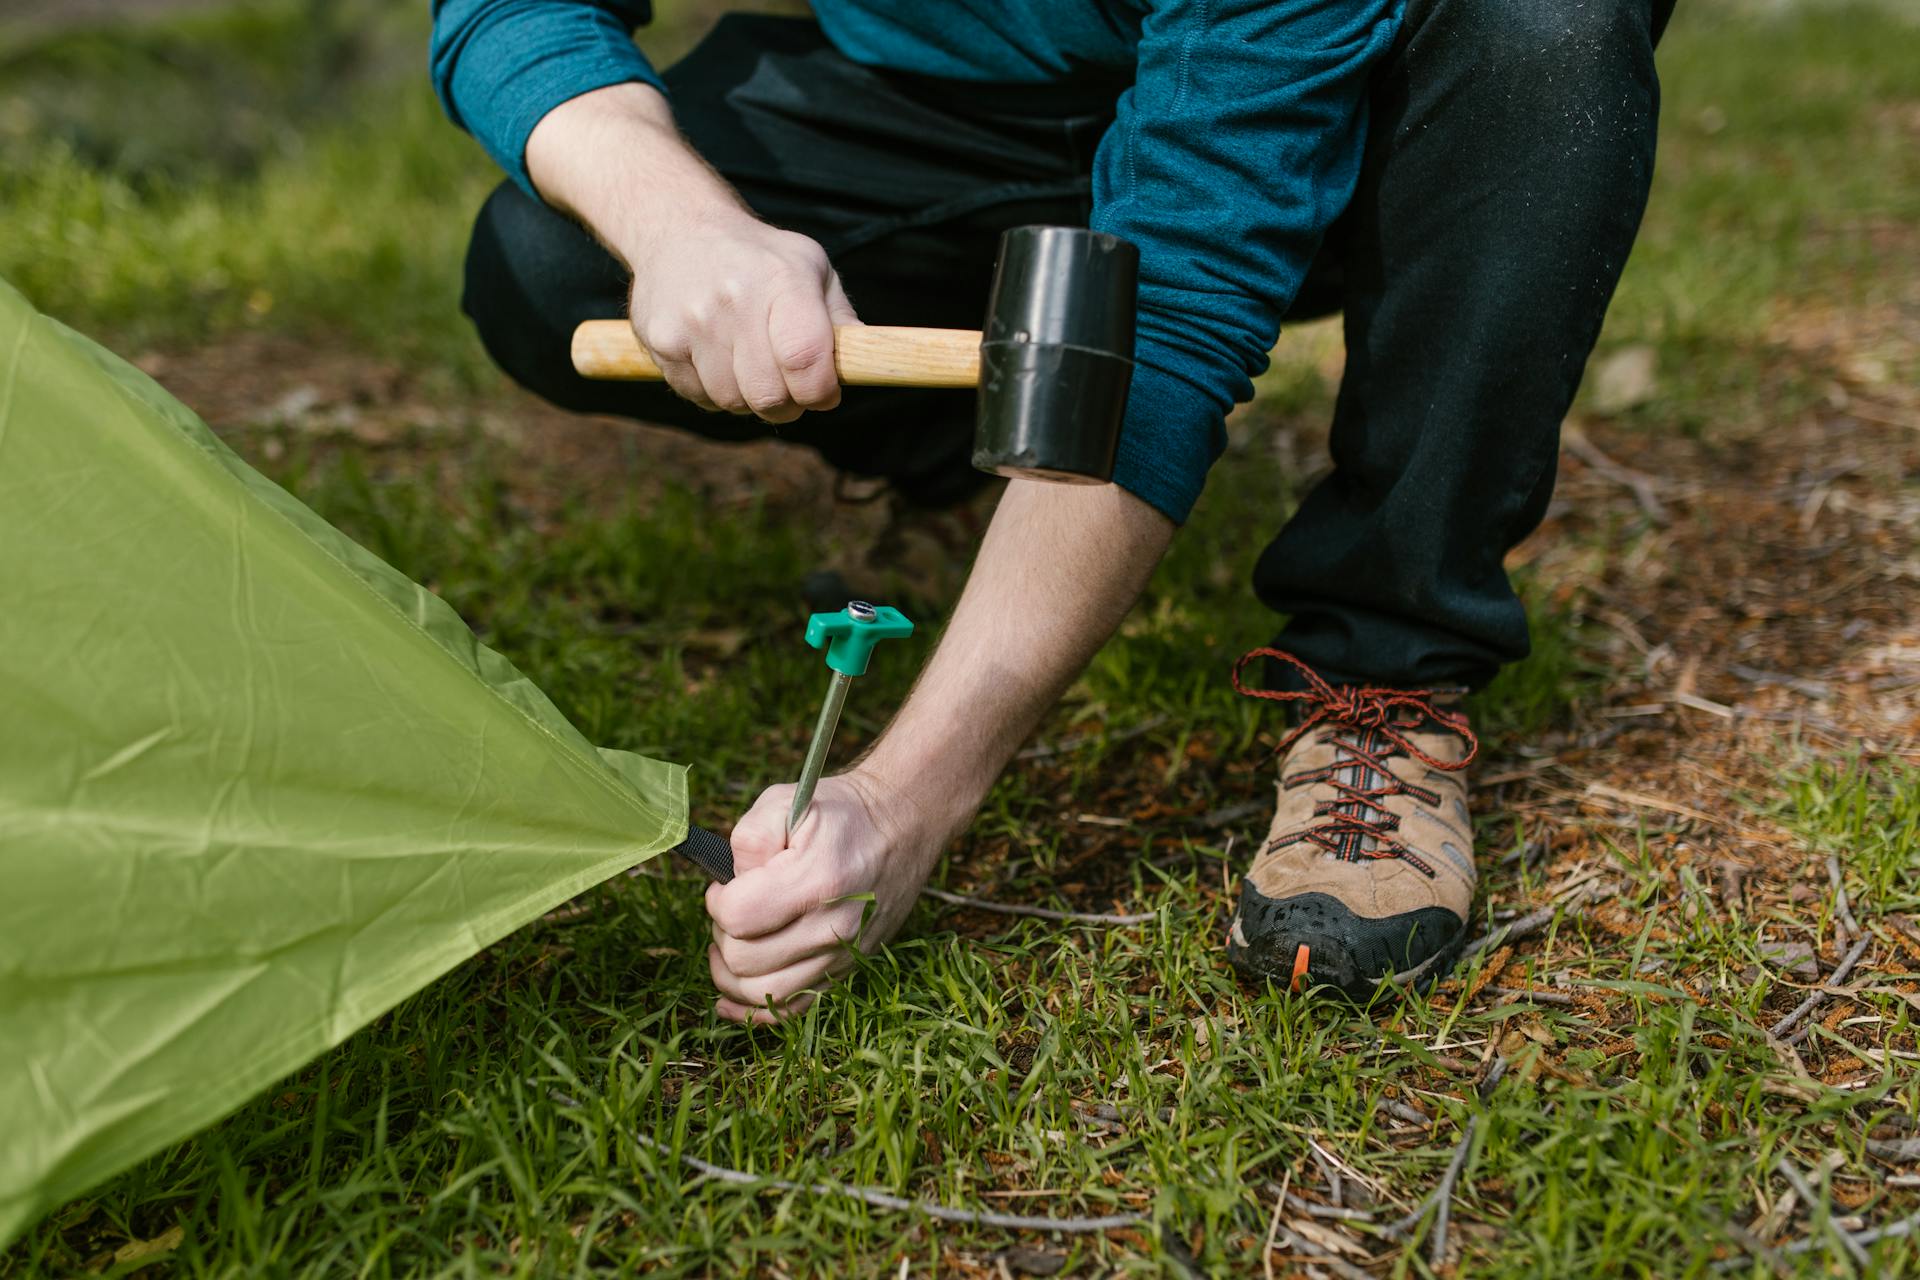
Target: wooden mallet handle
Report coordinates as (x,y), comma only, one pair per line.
(866,355)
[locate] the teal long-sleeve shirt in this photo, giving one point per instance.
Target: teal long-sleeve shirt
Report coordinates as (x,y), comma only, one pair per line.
(1237,144)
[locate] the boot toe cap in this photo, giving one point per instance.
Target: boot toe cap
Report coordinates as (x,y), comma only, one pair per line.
(1349,952)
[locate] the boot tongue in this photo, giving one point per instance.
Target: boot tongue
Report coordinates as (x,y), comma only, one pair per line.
(1357,773)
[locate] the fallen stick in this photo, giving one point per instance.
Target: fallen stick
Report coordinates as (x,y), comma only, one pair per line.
(1840,904)
(1799,684)
(1400,1229)
(1637,483)
(1329,1171)
(1779,1029)
(1217,818)
(1437,1246)
(1042,750)
(1038,913)
(1873,1235)
(1534,994)
(1756,1247)
(1273,1226)
(1326,1257)
(1401,1111)
(1812,1199)
(1337,1212)
(1514,930)
(1900,1149)
(887,1200)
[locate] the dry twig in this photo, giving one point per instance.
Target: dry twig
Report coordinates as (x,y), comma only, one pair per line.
(1273,1227)
(887,1200)
(1757,1248)
(1896,1149)
(1779,1029)
(1329,1170)
(1401,1111)
(1042,750)
(1326,1257)
(1813,1199)
(1840,904)
(1514,930)
(1335,1212)
(1535,994)
(1443,1214)
(1441,1194)
(1038,913)
(1873,1235)
(1638,483)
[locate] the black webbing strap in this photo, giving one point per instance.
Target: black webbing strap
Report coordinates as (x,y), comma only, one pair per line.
(709,852)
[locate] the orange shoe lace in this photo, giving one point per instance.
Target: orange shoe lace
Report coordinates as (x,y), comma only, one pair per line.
(1358,823)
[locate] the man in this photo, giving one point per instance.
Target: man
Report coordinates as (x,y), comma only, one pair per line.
(1463,178)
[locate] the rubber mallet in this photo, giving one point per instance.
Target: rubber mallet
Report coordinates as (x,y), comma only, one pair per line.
(1052,364)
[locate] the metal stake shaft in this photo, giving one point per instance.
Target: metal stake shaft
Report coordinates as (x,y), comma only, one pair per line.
(816,761)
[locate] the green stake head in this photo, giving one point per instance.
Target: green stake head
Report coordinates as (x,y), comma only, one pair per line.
(849,636)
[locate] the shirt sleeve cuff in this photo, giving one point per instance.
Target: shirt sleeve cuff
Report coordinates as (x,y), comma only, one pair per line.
(508,74)
(1171,435)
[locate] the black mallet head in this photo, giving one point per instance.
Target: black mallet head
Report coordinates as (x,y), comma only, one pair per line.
(1056,355)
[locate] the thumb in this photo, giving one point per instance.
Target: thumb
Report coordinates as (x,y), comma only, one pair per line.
(839,309)
(761,833)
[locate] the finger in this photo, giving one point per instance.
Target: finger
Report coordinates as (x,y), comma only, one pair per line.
(768,898)
(685,381)
(800,334)
(758,839)
(734,1010)
(761,383)
(713,361)
(670,350)
(773,988)
(839,309)
(819,931)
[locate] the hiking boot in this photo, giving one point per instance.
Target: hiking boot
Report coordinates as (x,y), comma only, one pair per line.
(1367,871)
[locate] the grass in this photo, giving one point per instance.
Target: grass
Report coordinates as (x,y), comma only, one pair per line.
(494,1123)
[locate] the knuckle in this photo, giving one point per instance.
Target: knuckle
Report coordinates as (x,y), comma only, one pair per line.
(801,351)
(666,341)
(688,387)
(763,401)
(834,883)
(805,250)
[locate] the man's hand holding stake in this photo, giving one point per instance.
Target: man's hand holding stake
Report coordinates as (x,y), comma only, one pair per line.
(740,316)
(1025,627)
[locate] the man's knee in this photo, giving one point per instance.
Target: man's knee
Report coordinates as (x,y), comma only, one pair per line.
(531,276)
(1547,49)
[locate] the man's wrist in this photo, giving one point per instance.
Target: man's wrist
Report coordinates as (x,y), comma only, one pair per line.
(659,184)
(938,791)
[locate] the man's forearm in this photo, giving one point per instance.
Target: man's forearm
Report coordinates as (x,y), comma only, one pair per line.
(1058,570)
(614,159)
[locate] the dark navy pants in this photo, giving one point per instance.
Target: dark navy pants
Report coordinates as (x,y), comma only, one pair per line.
(1509,151)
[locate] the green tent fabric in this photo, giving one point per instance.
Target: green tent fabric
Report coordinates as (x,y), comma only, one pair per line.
(256,787)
